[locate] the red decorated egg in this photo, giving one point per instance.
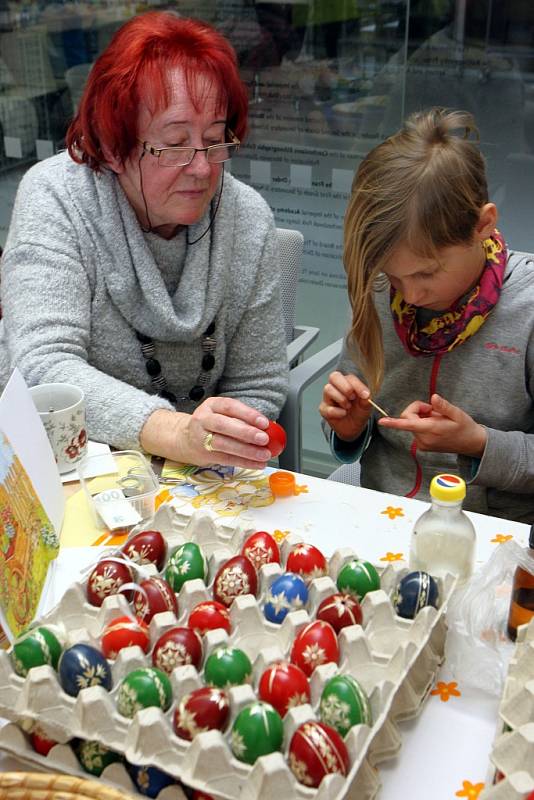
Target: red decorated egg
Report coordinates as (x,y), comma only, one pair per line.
(208,616)
(177,647)
(316,644)
(201,710)
(307,561)
(41,743)
(261,548)
(340,610)
(237,576)
(198,795)
(284,686)
(106,579)
(147,547)
(317,750)
(158,596)
(124,632)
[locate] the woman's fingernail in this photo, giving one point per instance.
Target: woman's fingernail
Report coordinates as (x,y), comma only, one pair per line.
(261,422)
(366,394)
(261,438)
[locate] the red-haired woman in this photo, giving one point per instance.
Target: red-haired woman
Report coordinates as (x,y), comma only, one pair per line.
(138,270)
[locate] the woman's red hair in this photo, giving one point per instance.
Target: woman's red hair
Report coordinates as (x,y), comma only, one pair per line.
(136,63)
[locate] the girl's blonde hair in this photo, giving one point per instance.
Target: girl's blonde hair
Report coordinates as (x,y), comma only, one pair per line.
(423,187)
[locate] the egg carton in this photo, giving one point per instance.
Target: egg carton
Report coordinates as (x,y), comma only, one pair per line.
(511,773)
(61,758)
(394,659)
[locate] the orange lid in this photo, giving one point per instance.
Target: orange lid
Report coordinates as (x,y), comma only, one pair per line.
(282,484)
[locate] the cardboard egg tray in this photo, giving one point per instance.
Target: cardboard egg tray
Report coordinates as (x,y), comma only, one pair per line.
(394,659)
(511,775)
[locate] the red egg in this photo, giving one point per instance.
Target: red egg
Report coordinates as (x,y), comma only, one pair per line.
(159,597)
(316,644)
(340,610)
(198,795)
(284,686)
(106,579)
(317,750)
(177,647)
(261,548)
(237,576)
(307,561)
(208,616)
(147,547)
(201,710)
(124,632)
(41,743)
(277,438)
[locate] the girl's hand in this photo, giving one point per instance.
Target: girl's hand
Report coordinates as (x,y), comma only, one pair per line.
(440,427)
(345,405)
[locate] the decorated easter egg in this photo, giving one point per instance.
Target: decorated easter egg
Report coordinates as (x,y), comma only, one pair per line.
(261,548)
(208,616)
(235,577)
(307,561)
(149,781)
(158,597)
(147,547)
(106,579)
(124,632)
(286,593)
(198,795)
(201,710)
(33,649)
(177,647)
(143,688)
(284,686)
(257,730)
(358,577)
(340,610)
(81,666)
(344,703)
(185,563)
(315,644)
(317,750)
(94,757)
(227,666)
(415,591)
(40,741)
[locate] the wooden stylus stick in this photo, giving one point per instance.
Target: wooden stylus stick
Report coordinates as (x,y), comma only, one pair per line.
(384,413)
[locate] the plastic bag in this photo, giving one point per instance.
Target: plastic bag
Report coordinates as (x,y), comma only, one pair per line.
(477,649)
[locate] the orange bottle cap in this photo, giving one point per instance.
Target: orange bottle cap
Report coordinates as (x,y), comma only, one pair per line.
(282,484)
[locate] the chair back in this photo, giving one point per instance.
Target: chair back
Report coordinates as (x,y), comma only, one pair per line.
(290,246)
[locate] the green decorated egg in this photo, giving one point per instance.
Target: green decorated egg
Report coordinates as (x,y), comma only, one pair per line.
(185,563)
(358,577)
(227,666)
(143,688)
(94,757)
(35,648)
(344,704)
(258,729)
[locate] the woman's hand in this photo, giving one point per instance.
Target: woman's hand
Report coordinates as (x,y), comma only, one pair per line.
(345,405)
(238,436)
(440,427)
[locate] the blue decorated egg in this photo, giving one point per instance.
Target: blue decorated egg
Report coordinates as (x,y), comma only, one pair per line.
(287,593)
(415,591)
(81,666)
(150,781)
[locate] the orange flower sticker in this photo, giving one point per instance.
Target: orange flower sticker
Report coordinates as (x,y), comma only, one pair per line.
(301,489)
(393,512)
(393,557)
(500,538)
(446,690)
(279,536)
(470,790)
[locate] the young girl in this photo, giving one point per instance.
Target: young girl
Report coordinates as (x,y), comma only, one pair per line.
(442,334)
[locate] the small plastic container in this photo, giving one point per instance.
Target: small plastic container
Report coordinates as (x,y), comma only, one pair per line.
(121,498)
(282,484)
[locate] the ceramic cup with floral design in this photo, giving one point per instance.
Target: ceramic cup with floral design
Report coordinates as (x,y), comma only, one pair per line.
(61,407)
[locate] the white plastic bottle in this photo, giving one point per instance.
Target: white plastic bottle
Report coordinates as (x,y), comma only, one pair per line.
(443,538)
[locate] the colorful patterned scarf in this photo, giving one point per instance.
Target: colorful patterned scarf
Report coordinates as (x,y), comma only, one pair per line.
(452,327)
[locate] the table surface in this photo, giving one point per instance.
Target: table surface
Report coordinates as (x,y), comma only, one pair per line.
(445,751)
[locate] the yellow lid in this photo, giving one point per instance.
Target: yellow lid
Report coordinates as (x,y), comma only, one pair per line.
(449,488)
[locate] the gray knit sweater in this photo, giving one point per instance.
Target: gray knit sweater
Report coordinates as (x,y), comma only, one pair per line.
(79,277)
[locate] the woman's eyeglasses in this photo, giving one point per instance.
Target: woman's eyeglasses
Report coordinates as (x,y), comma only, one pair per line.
(182,156)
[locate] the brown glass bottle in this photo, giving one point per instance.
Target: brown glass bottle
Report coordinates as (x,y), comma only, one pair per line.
(522,599)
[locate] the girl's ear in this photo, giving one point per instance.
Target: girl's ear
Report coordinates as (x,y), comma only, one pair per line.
(112,161)
(487,221)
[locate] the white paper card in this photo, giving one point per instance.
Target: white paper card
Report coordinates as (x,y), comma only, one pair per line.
(115,510)
(103,465)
